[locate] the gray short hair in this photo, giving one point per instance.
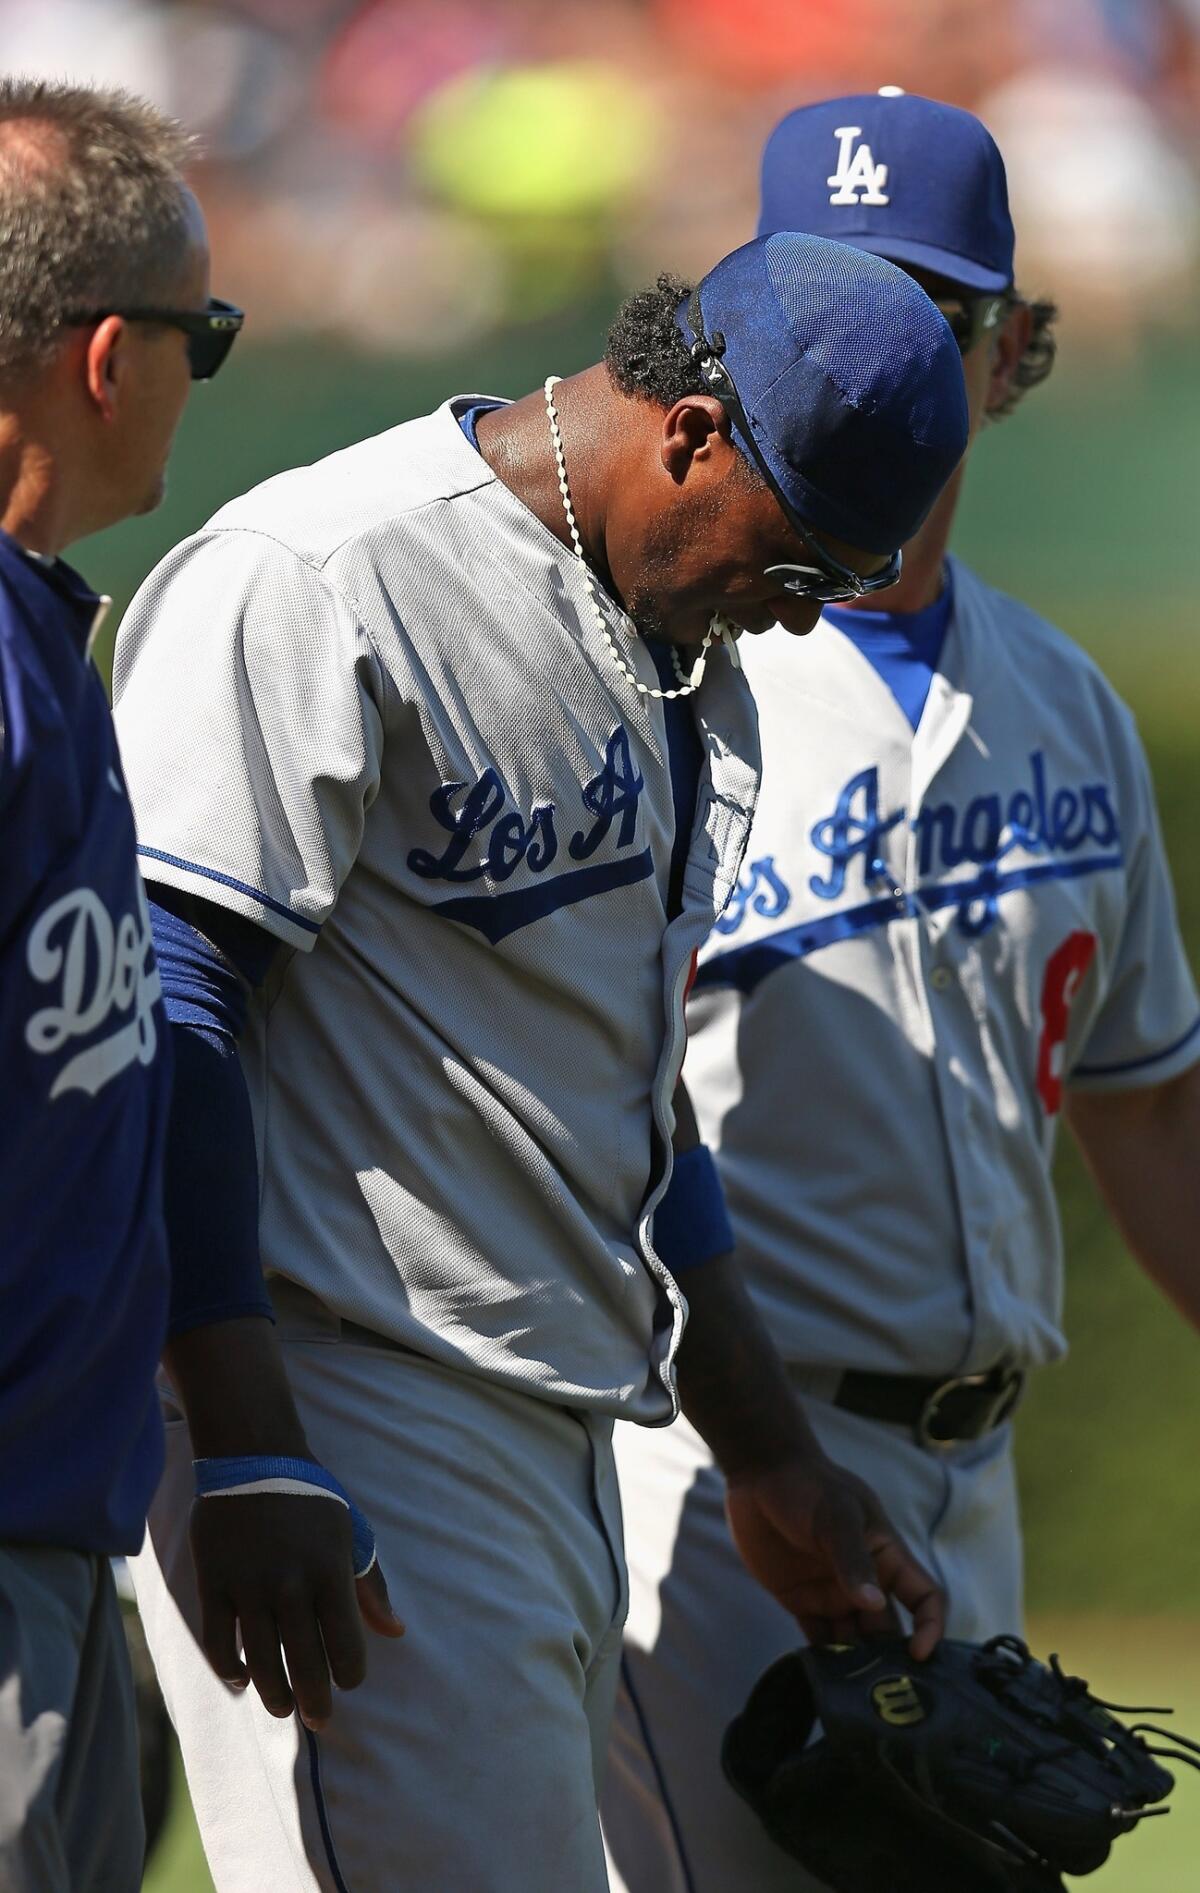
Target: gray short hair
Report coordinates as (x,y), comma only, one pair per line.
(92,212)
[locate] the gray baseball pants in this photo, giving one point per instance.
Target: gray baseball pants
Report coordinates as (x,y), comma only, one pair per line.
(701,1631)
(70,1798)
(468,1762)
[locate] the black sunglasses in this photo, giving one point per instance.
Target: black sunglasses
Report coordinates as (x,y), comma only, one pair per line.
(971,317)
(827,581)
(210,332)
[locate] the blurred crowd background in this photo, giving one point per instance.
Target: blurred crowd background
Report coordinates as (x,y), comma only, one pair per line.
(413,198)
(410,174)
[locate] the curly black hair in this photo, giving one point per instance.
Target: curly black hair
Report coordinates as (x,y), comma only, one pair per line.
(1038,359)
(646,354)
(647,357)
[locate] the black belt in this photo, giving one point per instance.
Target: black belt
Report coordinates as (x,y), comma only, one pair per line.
(940,1411)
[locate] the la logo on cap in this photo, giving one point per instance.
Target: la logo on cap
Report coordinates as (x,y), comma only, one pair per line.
(858,179)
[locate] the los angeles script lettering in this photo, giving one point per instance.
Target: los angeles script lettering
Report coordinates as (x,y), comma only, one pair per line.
(488,837)
(1040,820)
(989,827)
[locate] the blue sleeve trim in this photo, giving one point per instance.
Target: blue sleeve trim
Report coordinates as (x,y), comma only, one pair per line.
(1136,1064)
(691,1224)
(239,887)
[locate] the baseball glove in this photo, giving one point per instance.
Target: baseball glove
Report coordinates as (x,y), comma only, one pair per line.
(980,1769)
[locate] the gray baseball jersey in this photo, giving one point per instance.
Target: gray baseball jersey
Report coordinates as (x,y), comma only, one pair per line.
(935,933)
(369,707)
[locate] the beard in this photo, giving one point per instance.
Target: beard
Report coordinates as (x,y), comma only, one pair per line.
(647,617)
(644,603)
(649,599)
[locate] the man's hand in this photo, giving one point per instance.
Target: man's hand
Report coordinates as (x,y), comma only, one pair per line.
(812,1533)
(278,1566)
(818,1539)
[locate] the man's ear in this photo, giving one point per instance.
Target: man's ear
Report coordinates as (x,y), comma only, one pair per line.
(693,432)
(106,363)
(1007,350)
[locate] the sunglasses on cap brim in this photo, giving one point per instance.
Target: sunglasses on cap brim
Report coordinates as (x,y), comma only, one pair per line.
(210,332)
(827,581)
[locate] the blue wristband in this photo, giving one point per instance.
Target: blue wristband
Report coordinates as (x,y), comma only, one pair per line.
(691,1224)
(249,1473)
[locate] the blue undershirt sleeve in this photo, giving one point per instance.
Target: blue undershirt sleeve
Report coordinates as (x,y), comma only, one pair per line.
(691,1223)
(209,960)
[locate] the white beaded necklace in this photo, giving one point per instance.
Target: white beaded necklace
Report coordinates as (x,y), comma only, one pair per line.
(719,627)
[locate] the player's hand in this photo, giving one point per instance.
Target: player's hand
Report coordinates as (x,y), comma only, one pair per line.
(278,1568)
(818,1539)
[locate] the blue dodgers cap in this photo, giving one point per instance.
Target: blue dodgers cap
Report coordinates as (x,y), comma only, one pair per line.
(849,378)
(902,176)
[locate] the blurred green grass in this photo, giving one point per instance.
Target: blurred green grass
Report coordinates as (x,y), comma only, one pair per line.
(1083,506)
(1151,1660)
(1107,1442)
(178,1865)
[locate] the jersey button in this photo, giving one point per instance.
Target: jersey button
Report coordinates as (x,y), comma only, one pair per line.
(941,979)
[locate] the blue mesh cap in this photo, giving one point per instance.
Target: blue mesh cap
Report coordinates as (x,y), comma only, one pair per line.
(902,176)
(850,378)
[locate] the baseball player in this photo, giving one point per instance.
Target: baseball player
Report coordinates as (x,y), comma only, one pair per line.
(105,320)
(443,771)
(955,923)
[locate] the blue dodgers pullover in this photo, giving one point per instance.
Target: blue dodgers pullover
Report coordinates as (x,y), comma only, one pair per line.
(83,1095)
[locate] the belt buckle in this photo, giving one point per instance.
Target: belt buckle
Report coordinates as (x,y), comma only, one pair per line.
(1009,1384)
